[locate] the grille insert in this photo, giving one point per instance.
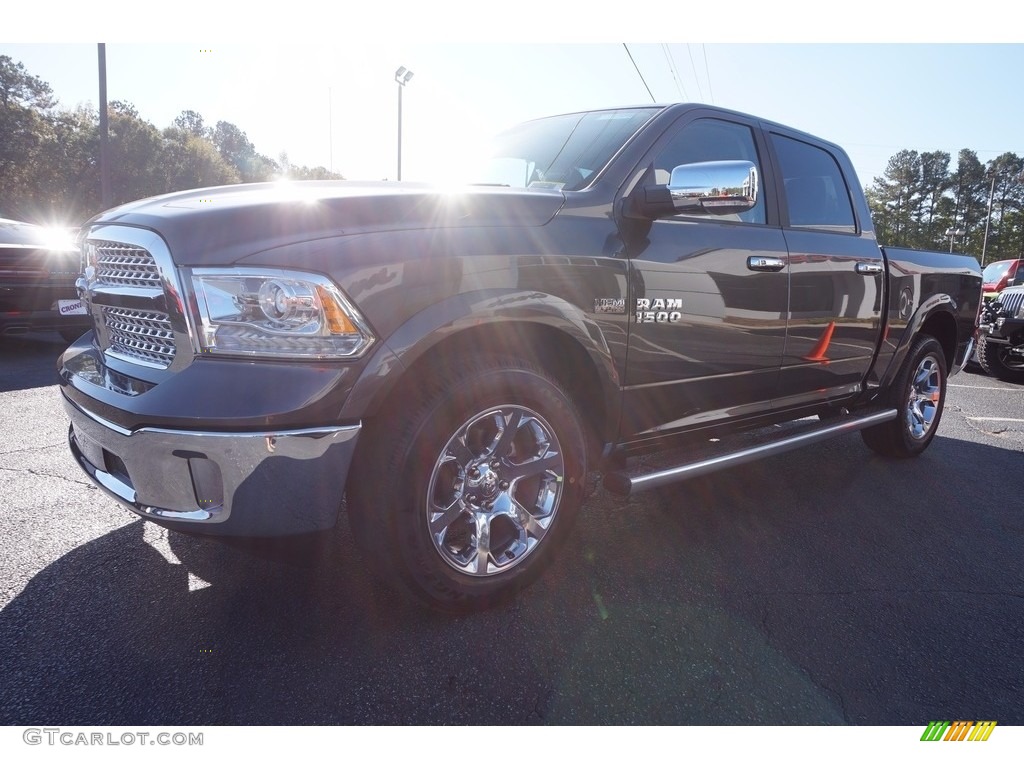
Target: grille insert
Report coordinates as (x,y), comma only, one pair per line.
(140,335)
(124,264)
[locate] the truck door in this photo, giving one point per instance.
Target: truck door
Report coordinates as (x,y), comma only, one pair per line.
(836,277)
(707,295)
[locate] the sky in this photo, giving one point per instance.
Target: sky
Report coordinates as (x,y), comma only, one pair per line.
(331,100)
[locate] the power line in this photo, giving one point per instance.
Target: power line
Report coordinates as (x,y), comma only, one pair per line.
(694,68)
(672,69)
(639,73)
(707,73)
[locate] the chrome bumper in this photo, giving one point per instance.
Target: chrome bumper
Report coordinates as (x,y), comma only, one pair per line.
(235,484)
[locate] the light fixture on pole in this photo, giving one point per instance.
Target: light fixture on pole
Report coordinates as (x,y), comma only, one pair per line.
(402,77)
(951,233)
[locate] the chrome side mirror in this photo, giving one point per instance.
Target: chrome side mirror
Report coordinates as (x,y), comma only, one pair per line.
(717,188)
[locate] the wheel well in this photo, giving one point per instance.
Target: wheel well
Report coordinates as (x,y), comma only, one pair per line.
(556,352)
(942,326)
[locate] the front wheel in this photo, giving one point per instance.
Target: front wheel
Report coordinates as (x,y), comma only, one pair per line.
(918,394)
(998,360)
(469,500)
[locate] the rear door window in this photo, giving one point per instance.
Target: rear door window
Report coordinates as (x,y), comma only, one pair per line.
(816,193)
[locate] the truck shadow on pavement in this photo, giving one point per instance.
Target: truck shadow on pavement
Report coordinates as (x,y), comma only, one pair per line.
(826,586)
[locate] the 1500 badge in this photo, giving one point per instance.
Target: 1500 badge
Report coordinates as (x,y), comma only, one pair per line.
(647,310)
(659,310)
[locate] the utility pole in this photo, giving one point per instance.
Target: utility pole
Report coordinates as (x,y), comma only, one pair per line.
(104,132)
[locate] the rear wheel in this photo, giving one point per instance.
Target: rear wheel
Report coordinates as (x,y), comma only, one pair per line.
(998,360)
(467,499)
(918,394)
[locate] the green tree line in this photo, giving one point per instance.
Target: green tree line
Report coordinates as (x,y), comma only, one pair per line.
(921,196)
(49,155)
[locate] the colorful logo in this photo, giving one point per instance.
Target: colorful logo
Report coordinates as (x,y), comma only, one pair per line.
(958,730)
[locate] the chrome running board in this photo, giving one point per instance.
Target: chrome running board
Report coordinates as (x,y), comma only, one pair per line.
(623,483)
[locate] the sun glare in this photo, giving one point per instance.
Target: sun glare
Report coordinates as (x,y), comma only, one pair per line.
(59,238)
(290,190)
(462,167)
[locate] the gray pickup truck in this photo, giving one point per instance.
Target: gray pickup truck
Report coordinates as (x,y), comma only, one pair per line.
(450,367)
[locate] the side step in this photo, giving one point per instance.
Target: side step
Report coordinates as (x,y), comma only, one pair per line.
(795,435)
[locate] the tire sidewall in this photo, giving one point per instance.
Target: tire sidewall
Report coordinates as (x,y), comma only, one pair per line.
(989,359)
(421,566)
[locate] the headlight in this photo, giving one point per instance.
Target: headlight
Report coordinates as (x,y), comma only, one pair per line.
(275,313)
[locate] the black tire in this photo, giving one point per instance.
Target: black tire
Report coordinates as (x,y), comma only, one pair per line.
(464,499)
(919,395)
(994,360)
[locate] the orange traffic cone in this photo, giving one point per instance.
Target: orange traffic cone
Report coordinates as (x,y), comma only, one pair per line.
(818,353)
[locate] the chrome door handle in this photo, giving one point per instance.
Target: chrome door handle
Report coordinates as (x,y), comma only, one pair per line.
(765,263)
(868,268)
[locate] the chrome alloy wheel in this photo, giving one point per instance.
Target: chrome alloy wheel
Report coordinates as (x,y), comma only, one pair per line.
(924,398)
(494,490)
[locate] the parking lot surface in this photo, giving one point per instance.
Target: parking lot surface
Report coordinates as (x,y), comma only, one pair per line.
(827,585)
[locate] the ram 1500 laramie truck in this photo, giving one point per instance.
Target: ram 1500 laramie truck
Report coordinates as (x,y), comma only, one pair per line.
(455,364)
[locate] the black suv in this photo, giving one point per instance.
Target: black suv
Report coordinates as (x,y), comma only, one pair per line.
(38,269)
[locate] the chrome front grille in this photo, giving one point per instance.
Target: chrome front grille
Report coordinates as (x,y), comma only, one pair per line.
(124,264)
(131,288)
(1012,301)
(145,336)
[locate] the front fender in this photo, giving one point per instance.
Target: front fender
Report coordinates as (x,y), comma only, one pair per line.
(504,316)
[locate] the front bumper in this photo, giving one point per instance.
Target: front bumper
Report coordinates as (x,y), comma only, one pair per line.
(224,483)
(1004,331)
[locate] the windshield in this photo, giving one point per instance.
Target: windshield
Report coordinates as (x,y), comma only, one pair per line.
(994,271)
(561,152)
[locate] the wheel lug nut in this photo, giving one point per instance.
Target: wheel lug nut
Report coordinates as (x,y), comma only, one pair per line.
(504,485)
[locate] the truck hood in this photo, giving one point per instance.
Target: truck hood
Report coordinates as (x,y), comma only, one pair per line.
(221,225)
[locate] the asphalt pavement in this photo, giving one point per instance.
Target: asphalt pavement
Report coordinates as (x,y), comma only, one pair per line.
(827,585)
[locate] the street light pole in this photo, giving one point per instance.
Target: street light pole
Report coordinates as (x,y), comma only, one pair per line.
(399,131)
(988,219)
(402,77)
